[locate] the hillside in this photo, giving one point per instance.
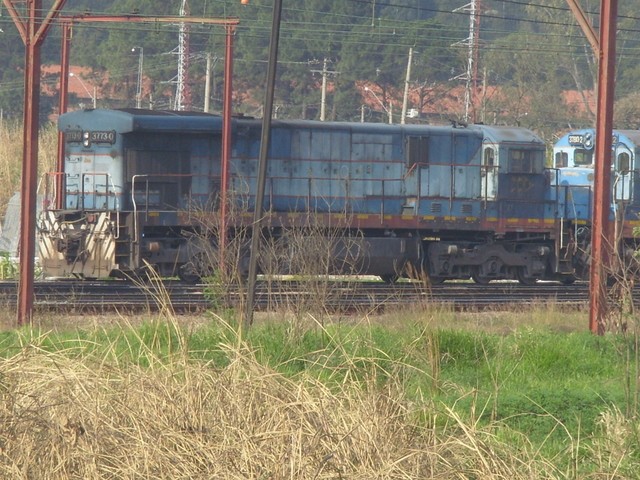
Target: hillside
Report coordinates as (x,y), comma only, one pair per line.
(531,53)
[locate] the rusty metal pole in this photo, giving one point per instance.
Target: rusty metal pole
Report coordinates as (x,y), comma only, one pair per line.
(226,142)
(33,30)
(63,103)
(587,29)
(601,238)
(30,165)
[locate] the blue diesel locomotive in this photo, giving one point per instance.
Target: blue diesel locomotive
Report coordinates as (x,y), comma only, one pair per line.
(574,160)
(456,202)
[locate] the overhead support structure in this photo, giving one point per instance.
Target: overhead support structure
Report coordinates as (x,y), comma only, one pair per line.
(183,87)
(63,104)
(230,26)
(472,42)
(587,29)
(602,241)
(33,30)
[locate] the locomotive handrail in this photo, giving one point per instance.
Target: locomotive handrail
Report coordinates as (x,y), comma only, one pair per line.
(556,172)
(135,206)
(619,177)
(147,178)
(484,173)
(107,192)
(151,177)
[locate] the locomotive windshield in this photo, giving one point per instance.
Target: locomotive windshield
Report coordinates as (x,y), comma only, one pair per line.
(562,160)
(526,160)
(582,157)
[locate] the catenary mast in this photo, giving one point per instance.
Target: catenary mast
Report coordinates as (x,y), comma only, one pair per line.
(183,90)
(471,75)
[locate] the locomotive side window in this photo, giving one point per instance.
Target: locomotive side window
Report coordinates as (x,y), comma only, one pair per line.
(417,151)
(489,157)
(624,163)
(562,160)
(525,161)
(582,158)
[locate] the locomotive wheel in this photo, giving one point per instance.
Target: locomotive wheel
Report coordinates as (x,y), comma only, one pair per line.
(196,269)
(480,280)
(568,280)
(389,278)
(433,280)
(82,276)
(523,278)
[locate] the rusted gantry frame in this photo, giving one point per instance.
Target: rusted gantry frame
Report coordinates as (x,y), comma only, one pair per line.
(602,242)
(33,30)
(229,23)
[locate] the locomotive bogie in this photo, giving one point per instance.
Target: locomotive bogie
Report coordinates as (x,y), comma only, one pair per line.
(487,261)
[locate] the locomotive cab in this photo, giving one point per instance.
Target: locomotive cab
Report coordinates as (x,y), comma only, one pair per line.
(575,161)
(517,221)
(129,183)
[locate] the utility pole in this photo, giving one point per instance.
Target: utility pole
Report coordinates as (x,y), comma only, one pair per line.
(262,162)
(602,238)
(405,98)
(602,241)
(323,101)
(140,67)
(207,84)
(325,73)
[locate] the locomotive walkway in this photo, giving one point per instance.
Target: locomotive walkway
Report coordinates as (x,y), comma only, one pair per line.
(339,296)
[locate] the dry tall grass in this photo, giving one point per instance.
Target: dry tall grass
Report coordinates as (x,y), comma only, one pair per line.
(11,157)
(66,415)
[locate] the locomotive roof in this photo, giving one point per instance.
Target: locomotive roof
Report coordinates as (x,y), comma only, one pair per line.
(130,120)
(629,137)
(503,134)
(632,136)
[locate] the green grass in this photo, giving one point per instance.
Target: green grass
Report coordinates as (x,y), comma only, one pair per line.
(531,380)
(554,388)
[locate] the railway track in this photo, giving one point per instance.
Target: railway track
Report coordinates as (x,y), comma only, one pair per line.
(110,296)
